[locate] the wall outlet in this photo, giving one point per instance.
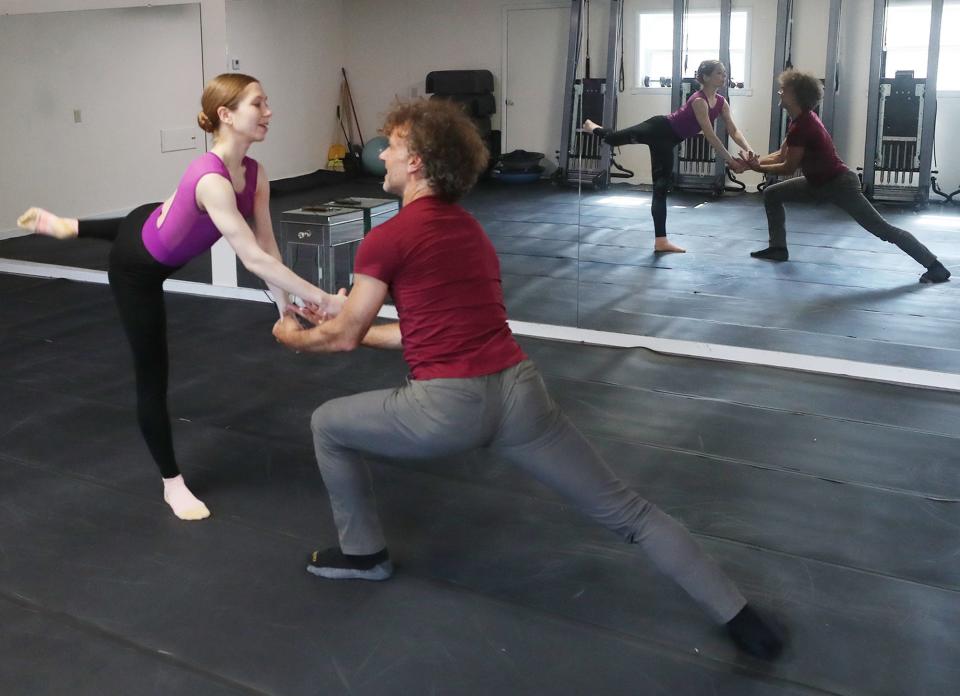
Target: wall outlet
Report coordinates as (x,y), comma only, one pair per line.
(234,63)
(76,116)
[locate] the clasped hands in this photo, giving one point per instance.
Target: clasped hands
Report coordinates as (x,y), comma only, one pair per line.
(744,161)
(297,319)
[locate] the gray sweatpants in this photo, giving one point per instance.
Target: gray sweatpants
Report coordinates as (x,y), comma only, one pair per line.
(511,413)
(844,192)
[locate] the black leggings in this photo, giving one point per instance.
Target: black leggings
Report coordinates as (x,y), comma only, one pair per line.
(658,135)
(136,279)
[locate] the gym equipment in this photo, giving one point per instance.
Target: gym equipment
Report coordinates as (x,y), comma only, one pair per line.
(472,90)
(376,211)
(370,157)
(901,114)
(475,105)
(353,106)
(459,82)
(583,159)
(698,167)
(319,243)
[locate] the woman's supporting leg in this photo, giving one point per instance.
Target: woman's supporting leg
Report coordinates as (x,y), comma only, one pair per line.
(661,160)
(658,135)
(136,280)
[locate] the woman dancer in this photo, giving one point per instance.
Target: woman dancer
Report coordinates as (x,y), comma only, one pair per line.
(663,133)
(219,191)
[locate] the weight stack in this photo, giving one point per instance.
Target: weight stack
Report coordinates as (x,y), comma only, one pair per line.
(473,91)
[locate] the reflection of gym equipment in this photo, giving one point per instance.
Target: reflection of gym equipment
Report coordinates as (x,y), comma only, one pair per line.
(698,167)
(783,60)
(582,157)
(901,113)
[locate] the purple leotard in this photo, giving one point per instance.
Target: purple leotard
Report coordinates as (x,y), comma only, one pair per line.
(187,231)
(684,120)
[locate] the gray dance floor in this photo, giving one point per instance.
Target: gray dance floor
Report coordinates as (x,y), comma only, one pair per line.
(832,502)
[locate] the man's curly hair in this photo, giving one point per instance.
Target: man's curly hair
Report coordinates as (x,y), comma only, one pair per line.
(453,153)
(805,87)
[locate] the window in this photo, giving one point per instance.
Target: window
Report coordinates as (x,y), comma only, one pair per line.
(655,42)
(908,35)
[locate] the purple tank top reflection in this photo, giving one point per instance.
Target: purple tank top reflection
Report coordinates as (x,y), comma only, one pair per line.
(684,121)
(187,231)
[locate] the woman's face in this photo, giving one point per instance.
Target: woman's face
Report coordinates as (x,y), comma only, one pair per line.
(717,79)
(251,118)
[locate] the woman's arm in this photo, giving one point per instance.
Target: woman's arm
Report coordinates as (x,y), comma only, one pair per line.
(263,232)
(734,132)
(215,194)
(701,111)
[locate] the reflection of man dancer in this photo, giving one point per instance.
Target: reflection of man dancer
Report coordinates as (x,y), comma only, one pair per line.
(826,178)
(472,385)
(663,133)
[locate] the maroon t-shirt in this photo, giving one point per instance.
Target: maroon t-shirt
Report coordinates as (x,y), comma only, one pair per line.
(820,162)
(444,277)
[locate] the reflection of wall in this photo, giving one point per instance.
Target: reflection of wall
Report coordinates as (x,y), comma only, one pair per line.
(850,127)
(296,48)
(130,72)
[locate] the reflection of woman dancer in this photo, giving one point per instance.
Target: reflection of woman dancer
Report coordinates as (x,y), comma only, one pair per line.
(219,189)
(809,148)
(663,133)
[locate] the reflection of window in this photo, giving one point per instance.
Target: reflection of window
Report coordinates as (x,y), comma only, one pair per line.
(908,35)
(655,42)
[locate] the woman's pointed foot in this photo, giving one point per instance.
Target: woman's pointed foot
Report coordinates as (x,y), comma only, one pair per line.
(40,221)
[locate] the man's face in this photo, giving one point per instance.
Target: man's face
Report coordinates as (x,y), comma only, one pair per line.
(787,99)
(397,158)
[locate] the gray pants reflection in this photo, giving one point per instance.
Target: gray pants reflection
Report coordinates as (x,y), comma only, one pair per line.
(843,192)
(511,413)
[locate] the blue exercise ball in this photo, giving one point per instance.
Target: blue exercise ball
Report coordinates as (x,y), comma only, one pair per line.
(371,156)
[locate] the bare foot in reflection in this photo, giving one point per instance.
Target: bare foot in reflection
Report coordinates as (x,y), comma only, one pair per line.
(662,245)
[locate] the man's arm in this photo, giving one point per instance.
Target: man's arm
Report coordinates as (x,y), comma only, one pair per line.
(344,332)
(787,163)
(777,157)
(384,336)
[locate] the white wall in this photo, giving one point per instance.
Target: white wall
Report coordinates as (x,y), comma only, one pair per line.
(134,70)
(295,47)
(57,62)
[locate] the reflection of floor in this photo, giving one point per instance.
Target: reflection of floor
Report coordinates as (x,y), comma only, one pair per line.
(843,294)
(831,502)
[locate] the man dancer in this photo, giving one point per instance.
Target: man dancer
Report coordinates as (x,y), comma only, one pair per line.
(826,178)
(472,386)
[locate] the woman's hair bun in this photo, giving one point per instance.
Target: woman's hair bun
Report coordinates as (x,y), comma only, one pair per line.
(205,123)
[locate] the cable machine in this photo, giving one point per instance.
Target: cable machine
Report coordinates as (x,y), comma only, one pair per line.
(583,159)
(698,167)
(901,114)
